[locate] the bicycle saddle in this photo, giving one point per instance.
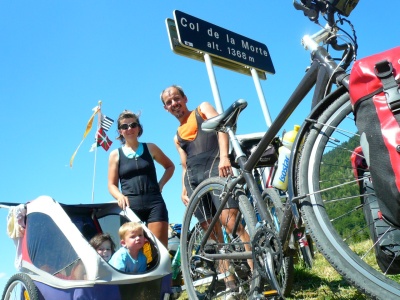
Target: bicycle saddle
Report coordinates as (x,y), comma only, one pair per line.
(228,118)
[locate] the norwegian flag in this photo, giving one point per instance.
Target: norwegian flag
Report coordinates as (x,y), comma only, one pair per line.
(106,122)
(102,139)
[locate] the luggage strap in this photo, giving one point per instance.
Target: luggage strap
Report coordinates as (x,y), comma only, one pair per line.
(384,71)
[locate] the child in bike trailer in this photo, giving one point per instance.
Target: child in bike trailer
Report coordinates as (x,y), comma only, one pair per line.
(103,244)
(130,257)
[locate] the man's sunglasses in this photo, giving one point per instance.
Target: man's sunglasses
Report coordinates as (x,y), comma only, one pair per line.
(127,126)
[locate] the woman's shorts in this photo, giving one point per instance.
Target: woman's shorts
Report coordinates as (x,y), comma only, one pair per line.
(149,208)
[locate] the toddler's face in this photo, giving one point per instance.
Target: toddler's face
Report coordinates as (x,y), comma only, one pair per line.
(105,250)
(134,239)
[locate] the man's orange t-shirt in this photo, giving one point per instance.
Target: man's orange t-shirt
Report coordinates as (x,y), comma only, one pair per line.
(188,129)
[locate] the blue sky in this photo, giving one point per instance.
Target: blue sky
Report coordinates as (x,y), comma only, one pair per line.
(59,58)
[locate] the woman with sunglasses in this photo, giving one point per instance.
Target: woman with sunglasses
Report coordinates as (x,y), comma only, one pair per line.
(132,166)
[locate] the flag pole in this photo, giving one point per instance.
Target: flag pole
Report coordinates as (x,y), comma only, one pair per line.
(95,150)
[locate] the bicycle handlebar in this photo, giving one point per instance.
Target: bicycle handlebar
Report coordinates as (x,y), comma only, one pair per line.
(312,9)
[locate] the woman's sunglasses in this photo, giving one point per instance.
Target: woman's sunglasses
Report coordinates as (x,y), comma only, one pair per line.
(127,126)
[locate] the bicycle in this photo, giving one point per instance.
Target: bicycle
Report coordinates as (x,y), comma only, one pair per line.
(286,275)
(337,229)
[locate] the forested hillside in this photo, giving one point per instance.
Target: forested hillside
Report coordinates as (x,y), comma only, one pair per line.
(337,169)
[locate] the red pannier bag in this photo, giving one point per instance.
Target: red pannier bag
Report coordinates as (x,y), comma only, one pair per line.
(375,97)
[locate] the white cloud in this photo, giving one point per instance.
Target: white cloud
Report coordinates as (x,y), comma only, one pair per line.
(2,275)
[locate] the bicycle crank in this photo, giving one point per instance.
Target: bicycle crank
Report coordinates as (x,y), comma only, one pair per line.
(267,255)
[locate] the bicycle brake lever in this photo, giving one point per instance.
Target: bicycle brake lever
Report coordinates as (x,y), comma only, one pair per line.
(299,6)
(310,13)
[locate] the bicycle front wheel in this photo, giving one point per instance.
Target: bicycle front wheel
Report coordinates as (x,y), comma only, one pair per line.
(223,267)
(335,207)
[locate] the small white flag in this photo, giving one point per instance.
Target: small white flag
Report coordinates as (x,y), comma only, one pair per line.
(106,122)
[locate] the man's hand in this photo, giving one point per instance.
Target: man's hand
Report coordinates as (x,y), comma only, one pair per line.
(224,167)
(185,199)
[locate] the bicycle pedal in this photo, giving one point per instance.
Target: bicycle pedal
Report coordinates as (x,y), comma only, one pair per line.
(204,272)
(270,293)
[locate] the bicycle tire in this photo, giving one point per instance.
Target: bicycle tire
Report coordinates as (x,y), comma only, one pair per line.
(274,203)
(197,271)
(275,208)
(331,209)
(20,287)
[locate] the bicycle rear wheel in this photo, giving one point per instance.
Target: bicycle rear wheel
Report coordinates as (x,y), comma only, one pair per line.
(336,207)
(205,277)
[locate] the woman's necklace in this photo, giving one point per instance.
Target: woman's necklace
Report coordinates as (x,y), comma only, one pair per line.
(130,153)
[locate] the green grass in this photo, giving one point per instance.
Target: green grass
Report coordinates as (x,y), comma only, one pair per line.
(321,282)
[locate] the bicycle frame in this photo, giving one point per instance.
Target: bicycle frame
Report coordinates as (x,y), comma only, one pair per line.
(322,74)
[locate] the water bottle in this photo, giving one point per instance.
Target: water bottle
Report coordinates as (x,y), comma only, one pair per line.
(281,176)
(289,137)
(176,263)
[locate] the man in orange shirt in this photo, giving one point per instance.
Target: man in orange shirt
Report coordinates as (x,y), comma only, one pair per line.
(203,155)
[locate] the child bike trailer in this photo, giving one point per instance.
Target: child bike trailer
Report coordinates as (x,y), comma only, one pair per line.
(55,260)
